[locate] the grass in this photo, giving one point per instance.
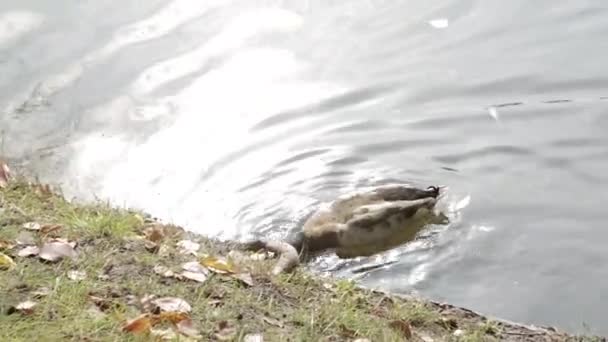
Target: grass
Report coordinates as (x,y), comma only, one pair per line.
(119,266)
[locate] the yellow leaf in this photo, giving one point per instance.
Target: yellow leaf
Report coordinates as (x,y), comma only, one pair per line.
(218,265)
(6,262)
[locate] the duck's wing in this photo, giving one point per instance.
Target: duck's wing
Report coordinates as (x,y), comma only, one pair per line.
(405,193)
(378,213)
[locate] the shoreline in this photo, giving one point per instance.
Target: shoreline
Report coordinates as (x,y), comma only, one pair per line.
(119,274)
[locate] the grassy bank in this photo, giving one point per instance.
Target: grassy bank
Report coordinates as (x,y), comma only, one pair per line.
(96,273)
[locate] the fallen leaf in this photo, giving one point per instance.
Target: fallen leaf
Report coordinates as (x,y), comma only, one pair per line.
(403,327)
(6,262)
(56,250)
(25,238)
(188,247)
(5,244)
(50,228)
(253,338)
(28,251)
(172,304)
(139,325)
(32,226)
(196,267)
(199,277)
(245,278)
(155,233)
(186,328)
(146,302)
(5,174)
(77,275)
(26,308)
(163,271)
(173,316)
(63,240)
(218,265)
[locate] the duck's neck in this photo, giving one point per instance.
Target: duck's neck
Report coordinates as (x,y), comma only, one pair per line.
(304,244)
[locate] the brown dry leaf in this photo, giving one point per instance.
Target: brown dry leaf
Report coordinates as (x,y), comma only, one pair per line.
(28,251)
(5,244)
(32,226)
(402,326)
(77,275)
(56,250)
(47,229)
(5,174)
(199,277)
(186,328)
(172,304)
(26,308)
(218,265)
(154,233)
(188,247)
(6,262)
(245,278)
(139,325)
(163,271)
(253,338)
(173,316)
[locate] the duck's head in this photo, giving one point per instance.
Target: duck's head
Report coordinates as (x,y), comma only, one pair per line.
(434,191)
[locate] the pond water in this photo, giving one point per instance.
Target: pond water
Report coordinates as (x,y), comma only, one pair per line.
(241,117)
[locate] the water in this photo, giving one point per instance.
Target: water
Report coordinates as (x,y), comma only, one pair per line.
(236,117)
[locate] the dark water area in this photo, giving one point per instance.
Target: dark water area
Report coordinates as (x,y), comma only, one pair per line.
(242,117)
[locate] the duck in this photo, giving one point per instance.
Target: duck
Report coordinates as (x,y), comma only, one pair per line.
(360,224)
